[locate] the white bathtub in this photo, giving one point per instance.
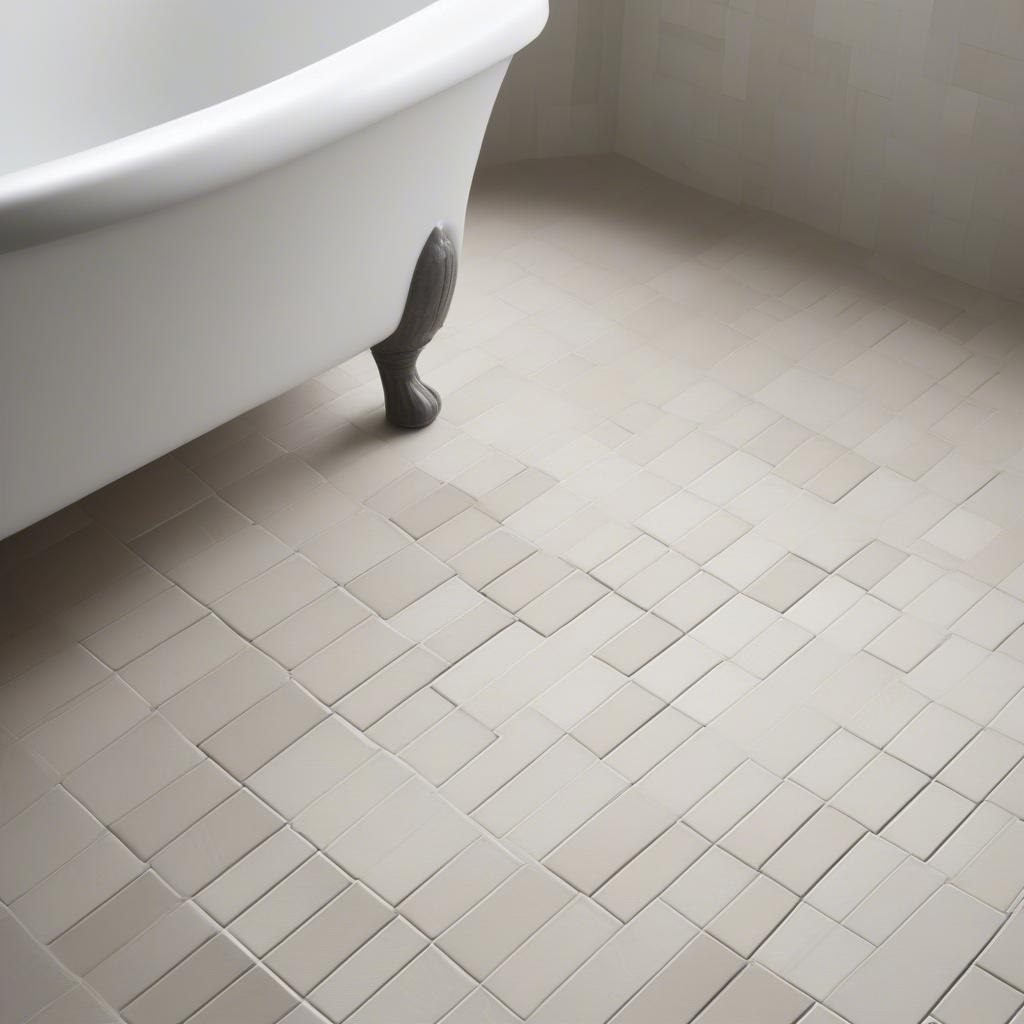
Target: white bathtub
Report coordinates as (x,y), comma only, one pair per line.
(203,204)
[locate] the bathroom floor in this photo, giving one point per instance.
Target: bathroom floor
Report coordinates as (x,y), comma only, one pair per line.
(675,674)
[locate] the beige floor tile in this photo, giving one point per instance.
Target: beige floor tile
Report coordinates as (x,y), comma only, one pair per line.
(31,978)
(421,994)
(928,820)
(638,644)
(87,725)
(620,968)
(469,631)
(249,741)
(252,877)
(523,738)
(30,697)
(446,747)
(527,581)
(133,968)
(1002,957)
(183,990)
(288,904)
(386,690)
(368,969)
(211,702)
(690,981)
(257,996)
(399,580)
(353,545)
(486,560)
(905,975)
(344,804)
(341,666)
(76,888)
(717,541)
(616,719)
(328,938)
(132,768)
(142,629)
(609,840)
(312,628)
(76,1006)
(114,923)
(256,606)
(650,872)
(755,994)
(309,766)
(485,937)
(229,563)
(813,849)
(437,609)
(215,842)
(551,955)
(879,791)
(457,887)
(752,916)
(979,997)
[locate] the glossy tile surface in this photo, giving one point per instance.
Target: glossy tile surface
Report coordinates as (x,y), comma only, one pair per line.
(676,673)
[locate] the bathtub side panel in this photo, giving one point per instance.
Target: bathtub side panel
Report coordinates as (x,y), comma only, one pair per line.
(118,345)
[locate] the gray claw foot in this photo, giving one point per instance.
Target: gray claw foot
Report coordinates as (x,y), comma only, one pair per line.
(408,401)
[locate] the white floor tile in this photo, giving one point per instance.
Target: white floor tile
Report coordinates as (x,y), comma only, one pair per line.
(701,606)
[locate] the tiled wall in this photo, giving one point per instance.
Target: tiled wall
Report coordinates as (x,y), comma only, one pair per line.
(894,124)
(898,124)
(561,95)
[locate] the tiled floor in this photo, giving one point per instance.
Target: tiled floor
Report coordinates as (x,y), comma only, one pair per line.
(675,674)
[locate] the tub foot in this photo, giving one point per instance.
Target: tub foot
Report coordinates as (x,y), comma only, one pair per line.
(408,401)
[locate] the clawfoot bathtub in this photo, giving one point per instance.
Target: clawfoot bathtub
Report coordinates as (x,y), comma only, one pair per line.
(204,204)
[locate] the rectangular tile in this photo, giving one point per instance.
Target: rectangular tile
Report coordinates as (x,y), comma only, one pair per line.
(619,969)
(485,937)
(906,974)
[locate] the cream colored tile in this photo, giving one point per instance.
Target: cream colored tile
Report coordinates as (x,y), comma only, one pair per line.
(353,545)
(458,887)
(551,955)
(309,766)
(328,938)
(31,978)
(249,741)
(288,904)
(620,968)
(253,876)
(424,991)
(76,888)
(168,812)
(691,979)
(139,963)
(181,660)
(752,916)
(908,973)
(341,666)
(256,606)
(368,969)
(198,978)
(215,842)
(399,580)
(609,840)
(88,725)
(312,627)
(142,629)
(228,564)
(132,768)
(257,996)
(114,923)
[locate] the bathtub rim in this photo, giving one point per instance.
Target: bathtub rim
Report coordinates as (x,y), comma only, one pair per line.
(421,55)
